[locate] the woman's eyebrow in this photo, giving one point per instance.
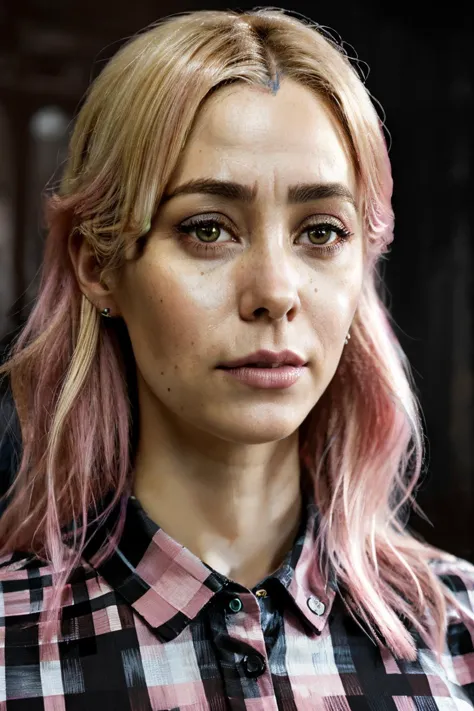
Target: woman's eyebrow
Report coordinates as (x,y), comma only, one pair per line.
(299,193)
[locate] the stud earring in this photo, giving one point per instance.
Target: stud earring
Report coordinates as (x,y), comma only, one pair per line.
(106,312)
(347,339)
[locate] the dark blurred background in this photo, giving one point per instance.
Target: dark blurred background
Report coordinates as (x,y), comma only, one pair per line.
(421,72)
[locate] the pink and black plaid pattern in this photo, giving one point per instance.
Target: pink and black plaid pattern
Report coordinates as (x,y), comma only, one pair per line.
(156,628)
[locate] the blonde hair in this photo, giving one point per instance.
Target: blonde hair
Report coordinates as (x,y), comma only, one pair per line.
(72,374)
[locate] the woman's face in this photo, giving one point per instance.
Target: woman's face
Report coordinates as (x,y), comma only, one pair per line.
(271,268)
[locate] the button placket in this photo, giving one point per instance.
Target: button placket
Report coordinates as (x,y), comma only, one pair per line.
(246,636)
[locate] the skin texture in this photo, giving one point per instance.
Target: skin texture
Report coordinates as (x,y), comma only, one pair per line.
(217,461)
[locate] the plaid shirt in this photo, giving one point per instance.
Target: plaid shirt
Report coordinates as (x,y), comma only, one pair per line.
(156,628)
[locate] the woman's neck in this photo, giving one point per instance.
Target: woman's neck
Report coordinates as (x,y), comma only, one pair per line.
(239,518)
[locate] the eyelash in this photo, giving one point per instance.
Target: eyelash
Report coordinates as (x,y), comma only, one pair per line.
(184,231)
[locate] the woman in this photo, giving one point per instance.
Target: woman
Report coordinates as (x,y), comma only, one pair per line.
(220,438)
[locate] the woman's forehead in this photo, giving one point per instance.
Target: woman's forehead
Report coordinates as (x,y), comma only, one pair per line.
(268,141)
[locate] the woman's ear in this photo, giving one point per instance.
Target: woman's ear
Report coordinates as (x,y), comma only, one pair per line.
(98,291)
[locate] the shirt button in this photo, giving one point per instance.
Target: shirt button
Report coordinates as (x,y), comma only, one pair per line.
(316,605)
(254,665)
(235,605)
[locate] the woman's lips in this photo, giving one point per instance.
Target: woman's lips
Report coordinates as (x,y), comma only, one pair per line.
(281,377)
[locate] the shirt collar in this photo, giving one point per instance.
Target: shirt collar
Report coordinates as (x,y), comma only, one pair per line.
(167,585)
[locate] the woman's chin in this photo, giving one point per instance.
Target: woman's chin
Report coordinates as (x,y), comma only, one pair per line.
(253,431)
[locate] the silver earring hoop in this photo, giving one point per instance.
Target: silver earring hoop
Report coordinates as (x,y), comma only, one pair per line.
(348,337)
(106,312)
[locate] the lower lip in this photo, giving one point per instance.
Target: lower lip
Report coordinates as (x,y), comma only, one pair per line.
(282,377)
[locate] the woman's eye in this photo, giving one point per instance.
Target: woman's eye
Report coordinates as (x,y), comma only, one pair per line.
(323,234)
(208,233)
(325,237)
